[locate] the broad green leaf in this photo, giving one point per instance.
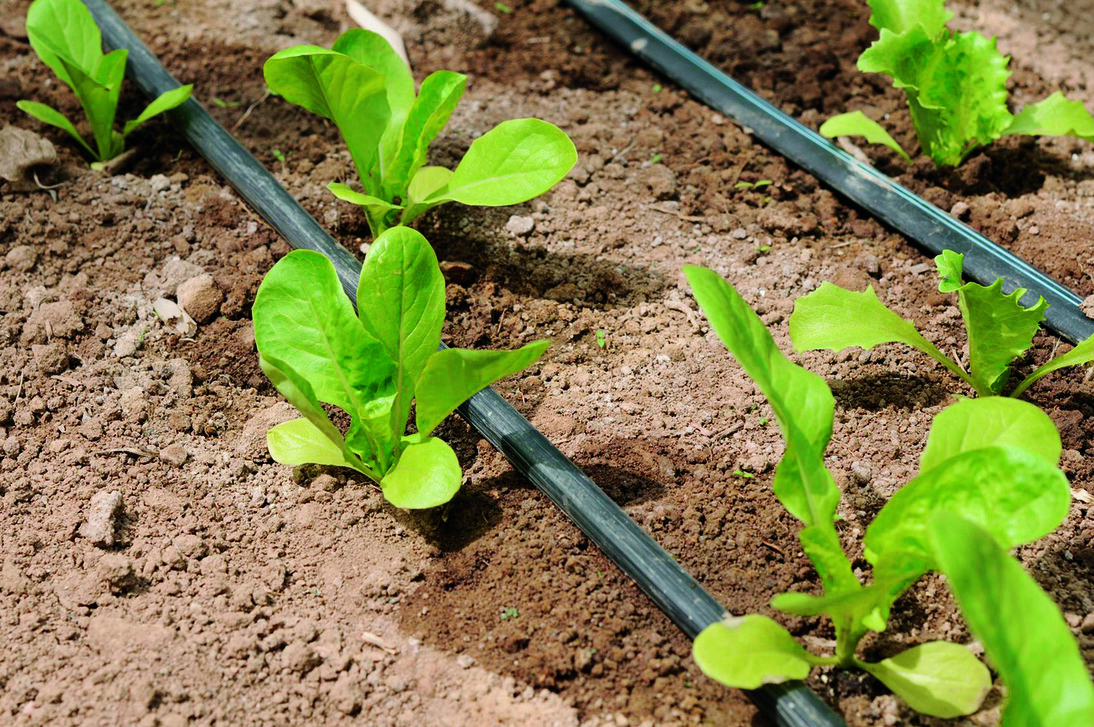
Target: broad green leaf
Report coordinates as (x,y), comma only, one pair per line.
(372,50)
(400,299)
(298,442)
(298,392)
(512,163)
(427,474)
(803,406)
(1000,328)
(164,102)
(338,88)
(1054,116)
(955,86)
(53,117)
(302,317)
(834,318)
(64,27)
(454,375)
(750,651)
(1022,630)
(937,678)
(901,15)
(991,421)
(856,123)
(1016,495)
(1081,354)
(437,99)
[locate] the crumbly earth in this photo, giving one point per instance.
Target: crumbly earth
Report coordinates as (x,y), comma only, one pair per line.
(156,568)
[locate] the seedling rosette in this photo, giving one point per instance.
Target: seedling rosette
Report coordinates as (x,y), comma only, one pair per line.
(955,85)
(366,89)
(1000,328)
(988,481)
(66,38)
(371,364)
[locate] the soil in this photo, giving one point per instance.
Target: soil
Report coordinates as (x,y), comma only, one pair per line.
(218,587)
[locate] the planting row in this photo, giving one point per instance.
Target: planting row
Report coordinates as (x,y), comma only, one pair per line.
(988,478)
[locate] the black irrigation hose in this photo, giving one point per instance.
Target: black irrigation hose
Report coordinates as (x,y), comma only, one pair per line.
(675,592)
(861,183)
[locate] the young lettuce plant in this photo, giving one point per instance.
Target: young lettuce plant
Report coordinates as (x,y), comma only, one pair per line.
(999,328)
(66,38)
(989,466)
(371,364)
(955,85)
(366,89)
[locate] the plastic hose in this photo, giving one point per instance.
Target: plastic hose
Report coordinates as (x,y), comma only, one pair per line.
(865,186)
(675,592)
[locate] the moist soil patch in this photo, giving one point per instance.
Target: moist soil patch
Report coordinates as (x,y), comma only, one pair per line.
(218,587)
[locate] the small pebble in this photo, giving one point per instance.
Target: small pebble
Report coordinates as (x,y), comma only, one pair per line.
(519,225)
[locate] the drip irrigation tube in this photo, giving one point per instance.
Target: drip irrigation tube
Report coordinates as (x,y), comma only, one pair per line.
(868,188)
(675,592)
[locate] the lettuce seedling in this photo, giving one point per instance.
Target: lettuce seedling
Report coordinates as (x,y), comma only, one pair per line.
(990,462)
(66,38)
(371,365)
(955,85)
(366,89)
(999,327)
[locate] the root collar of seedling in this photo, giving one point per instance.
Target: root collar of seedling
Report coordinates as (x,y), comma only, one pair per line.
(671,588)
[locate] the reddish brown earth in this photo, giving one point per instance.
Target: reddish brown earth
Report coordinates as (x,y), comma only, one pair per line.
(240,592)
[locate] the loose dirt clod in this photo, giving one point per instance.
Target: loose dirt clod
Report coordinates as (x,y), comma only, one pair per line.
(200,297)
(102,515)
(21,153)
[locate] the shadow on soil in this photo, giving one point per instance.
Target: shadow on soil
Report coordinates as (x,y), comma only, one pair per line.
(879,391)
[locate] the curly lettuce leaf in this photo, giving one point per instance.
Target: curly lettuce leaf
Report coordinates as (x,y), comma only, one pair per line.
(901,15)
(955,85)
(1000,328)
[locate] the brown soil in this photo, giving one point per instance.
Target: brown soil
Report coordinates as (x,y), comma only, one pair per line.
(240,592)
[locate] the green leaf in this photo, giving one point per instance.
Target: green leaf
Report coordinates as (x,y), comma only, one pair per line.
(856,123)
(372,50)
(750,651)
(937,678)
(302,317)
(53,117)
(1054,116)
(436,101)
(164,102)
(298,442)
(400,299)
(1016,495)
(512,163)
(66,28)
(374,205)
(1022,630)
(1081,354)
(453,375)
(834,318)
(427,474)
(338,88)
(866,605)
(999,327)
(803,406)
(298,392)
(426,182)
(955,86)
(991,421)
(901,15)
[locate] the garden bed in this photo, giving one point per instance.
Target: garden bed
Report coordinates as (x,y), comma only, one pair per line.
(238,593)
